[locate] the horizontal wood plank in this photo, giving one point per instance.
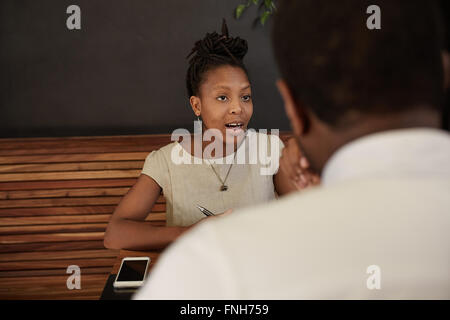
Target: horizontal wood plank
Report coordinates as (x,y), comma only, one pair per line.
(56,264)
(52,272)
(62,193)
(80,149)
(71,166)
(61,158)
(55,184)
(56,228)
(95,141)
(66,219)
(59,255)
(69,175)
(50,220)
(58,202)
(51,287)
(51,246)
(49,211)
(60,237)
(160,206)
(51,237)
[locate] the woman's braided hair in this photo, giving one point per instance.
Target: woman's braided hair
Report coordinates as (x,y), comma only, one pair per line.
(212,51)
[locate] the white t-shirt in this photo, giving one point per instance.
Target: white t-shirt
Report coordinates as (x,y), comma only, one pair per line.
(189,184)
(377,228)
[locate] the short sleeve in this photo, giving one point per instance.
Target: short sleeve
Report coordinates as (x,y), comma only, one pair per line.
(281,144)
(274,150)
(276,140)
(155,166)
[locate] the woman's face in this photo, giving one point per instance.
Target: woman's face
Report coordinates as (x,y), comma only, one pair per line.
(225,102)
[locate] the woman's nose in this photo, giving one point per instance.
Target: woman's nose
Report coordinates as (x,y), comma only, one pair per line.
(236,109)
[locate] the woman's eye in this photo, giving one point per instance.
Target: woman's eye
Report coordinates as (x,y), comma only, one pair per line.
(246,98)
(221,98)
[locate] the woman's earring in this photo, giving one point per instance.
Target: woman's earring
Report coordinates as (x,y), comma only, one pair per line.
(198,125)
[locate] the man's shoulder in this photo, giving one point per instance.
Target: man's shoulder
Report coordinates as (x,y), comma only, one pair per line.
(326,235)
(311,208)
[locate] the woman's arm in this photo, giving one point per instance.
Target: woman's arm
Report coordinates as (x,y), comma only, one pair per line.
(282,183)
(293,174)
(127,228)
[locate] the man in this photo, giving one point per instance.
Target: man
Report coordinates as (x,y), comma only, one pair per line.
(364,106)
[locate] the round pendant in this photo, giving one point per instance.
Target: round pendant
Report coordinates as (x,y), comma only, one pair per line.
(223,188)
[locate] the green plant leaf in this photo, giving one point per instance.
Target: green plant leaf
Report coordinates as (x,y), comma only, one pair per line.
(255,1)
(264,17)
(268,4)
(240,9)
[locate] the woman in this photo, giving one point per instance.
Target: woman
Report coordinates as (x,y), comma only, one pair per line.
(220,93)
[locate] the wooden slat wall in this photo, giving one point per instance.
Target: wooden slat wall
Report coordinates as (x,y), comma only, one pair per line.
(56,198)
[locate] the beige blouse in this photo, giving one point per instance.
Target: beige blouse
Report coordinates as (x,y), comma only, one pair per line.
(188,184)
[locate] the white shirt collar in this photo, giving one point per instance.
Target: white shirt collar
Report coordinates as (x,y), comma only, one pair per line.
(417,152)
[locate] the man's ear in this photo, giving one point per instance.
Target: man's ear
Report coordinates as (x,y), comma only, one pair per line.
(296,114)
(196,105)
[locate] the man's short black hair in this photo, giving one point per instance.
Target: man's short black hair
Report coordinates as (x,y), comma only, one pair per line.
(334,64)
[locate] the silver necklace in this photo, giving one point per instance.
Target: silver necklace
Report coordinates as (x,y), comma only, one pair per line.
(223,187)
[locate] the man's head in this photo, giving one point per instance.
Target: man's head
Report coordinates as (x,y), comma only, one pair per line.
(341,80)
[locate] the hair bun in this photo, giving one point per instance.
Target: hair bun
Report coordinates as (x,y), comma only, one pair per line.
(218,46)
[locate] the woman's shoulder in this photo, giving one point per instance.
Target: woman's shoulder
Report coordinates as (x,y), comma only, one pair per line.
(167,149)
(163,152)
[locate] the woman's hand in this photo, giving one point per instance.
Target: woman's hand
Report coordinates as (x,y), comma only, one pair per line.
(296,167)
(225,213)
(217,215)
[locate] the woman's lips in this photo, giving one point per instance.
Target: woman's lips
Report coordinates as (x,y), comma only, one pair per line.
(234,124)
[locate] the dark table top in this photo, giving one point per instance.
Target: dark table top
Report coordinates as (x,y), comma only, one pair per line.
(111,293)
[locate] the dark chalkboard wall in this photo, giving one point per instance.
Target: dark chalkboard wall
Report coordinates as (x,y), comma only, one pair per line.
(123,72)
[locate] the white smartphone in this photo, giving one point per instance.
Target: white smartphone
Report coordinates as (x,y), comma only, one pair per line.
(132,272)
